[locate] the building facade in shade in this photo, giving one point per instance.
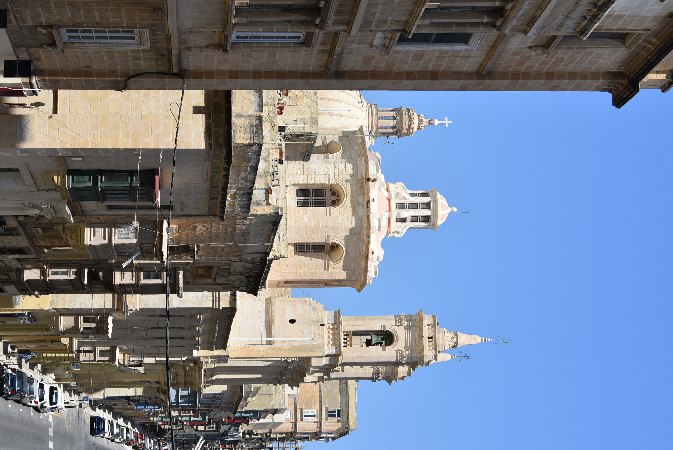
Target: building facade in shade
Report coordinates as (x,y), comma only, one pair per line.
(617,46)
(285,364)
(270,188)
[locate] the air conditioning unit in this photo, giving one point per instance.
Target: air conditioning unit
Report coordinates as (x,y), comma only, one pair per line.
(75,365)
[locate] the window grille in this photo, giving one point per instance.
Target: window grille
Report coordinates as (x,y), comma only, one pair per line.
(255,37)
(101,36)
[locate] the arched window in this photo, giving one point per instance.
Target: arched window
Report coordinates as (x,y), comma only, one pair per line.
(332,195)
(334,251)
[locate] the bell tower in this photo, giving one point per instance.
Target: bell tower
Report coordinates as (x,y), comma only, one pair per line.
(399,122)
(415,209)
(391,347)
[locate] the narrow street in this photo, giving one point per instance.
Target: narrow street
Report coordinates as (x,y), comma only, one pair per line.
(22,428)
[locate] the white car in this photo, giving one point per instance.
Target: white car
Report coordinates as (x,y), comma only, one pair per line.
(53,399)
(109,429)
(40,397)
(116,432)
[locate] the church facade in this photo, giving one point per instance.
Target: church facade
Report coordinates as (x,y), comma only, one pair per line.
(107,209)
(258,188)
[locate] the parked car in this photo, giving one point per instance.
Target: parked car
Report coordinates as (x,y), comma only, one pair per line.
(233,433)
(147,406)
(52,398)
(40,397)
(117,435)
(30,391)
(237,420)
(97,426)
(123,432)
(9,383)
(114,434)
(24,385)
(131,437)
(248,414)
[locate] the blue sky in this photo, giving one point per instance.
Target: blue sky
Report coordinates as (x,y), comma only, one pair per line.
(566,252)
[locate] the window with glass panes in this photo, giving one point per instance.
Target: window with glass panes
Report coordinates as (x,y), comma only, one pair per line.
(310,248)
(413,205)
(317,197)
(120,186)
(311,197)
(151,275)
(334,413)
(308,415)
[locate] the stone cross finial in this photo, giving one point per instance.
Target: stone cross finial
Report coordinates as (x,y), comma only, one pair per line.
(446,121)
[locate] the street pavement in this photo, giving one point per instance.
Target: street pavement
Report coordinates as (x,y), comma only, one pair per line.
(22,428)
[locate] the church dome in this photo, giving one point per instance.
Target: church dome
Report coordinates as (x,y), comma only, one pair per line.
(444,209)
(342,111)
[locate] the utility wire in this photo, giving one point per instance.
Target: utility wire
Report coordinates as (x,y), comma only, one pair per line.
(168,263)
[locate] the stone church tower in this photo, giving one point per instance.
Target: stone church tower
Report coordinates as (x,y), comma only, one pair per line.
(337,205)
(390,348)
(276,339)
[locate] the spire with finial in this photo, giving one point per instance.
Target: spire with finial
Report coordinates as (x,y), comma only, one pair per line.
(453,339)
(445,122)
(399,122)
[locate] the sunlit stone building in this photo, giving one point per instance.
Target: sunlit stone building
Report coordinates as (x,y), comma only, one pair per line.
(289,363)
(270,188)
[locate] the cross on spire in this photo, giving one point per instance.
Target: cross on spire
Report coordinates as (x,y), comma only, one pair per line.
(446,121)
